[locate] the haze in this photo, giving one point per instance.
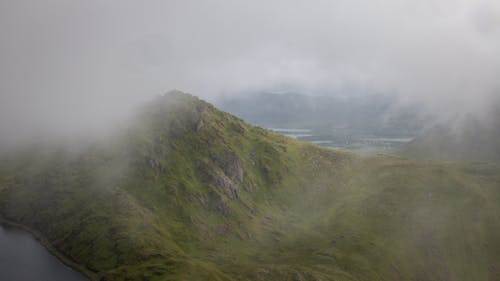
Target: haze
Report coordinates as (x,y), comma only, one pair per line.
(68,67)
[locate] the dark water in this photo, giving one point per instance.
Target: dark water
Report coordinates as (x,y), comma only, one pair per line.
(22,258)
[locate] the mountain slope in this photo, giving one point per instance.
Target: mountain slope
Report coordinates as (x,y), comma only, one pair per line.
(468,139)
(188,192)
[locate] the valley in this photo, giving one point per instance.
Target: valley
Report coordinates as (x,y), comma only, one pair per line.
(367,124)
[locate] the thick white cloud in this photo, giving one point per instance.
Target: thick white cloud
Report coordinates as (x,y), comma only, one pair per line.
(88,60)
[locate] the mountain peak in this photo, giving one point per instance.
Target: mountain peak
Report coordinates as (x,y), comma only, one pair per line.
(197,194)
(174,112)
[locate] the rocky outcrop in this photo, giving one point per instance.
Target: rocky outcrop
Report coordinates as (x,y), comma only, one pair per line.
(228,173)
(230,164)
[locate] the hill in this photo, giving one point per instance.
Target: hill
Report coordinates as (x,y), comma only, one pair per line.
(188,192)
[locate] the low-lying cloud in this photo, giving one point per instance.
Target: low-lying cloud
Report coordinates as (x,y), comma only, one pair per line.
(72,66)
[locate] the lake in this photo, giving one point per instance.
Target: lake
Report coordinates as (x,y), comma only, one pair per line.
(23,258)
(344,139)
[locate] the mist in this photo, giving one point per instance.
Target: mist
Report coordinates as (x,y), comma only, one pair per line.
(78,68)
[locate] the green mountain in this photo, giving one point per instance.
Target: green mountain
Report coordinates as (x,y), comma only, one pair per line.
(188,192)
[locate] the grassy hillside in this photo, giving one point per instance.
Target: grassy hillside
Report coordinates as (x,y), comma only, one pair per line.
(469,139)
(188,192)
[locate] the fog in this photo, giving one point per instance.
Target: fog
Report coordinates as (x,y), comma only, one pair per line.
(75,67)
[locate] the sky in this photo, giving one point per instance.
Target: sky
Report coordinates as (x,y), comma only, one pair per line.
(74,66)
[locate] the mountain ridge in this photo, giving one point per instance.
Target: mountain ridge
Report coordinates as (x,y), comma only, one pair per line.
(188,192)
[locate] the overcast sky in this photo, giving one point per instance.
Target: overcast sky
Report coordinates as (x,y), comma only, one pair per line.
(71,64)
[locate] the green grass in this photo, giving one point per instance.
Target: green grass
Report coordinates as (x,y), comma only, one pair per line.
(191,193)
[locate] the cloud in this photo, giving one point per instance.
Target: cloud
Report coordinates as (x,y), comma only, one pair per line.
(81,64)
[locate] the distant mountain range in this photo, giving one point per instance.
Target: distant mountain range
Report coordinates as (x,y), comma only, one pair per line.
(373,114)
(374,124)
(189,192)
(367,124)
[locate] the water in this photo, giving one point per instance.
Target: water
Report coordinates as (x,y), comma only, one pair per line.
(22,258)
(349,141)
(293,133)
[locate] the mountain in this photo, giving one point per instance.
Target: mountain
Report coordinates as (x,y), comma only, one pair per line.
(368,114)
(188,192)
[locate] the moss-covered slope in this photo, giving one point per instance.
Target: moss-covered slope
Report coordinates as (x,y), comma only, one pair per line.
(188,192)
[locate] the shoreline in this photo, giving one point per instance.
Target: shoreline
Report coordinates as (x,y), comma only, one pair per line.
(92,276)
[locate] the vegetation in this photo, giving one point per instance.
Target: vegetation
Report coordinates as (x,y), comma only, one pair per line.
(467,139)
(189,192)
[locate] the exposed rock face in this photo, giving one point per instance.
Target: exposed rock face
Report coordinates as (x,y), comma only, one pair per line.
(229,187)
(232,173)
(218,204)
(230,164)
